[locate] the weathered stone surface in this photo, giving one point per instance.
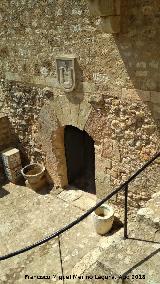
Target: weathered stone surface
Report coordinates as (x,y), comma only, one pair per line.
(110,25)
(155,97)
(122,73)
(35,216)
(132,254)
(11,158)
(135,95)
(84,112)
(116,102)
(150,214)
(104,7)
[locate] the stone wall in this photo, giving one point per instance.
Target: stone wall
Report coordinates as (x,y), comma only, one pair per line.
(7,139)
(117,95)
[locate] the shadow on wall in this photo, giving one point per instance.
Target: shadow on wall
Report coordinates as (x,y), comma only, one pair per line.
(138,42)
(138,45)
(77,95)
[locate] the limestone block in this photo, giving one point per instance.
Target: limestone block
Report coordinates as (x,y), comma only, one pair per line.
(65,114)
(103,188)
(74,109)
(107,148)
(135,95)
(51,82)
(156,111)
(13,76)
(37,80)
(114,173)
(104,7)
(142,73)
(47,122)
(58,109)
(110,24)
(155,97)
(116,152)
(13,175)
(84,111)
(11,158)
(95,98)
(108,163)
(87,87)
(100,176)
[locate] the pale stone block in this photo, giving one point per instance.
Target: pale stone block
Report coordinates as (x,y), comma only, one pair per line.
(74,110)
(107,179)
(156,111)
(38,80)
(114,173)
(52,82)
(135,95)
(141,65)
(10,76)
(116,152)
(84,111)
(104,7)
(155,97)
(58,110)
(107,151)
(65,114)
(110,24)
(100,176)
(154,64)
(95,98)
(88,87)
(108,164)
(140,73)
(13,175)
(11,158)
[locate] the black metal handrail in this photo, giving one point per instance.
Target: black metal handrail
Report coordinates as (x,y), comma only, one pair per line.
(123,186)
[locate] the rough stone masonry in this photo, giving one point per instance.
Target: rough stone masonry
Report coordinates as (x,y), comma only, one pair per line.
(117,95)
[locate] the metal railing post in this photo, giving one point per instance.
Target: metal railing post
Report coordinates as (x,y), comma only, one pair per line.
(60,255)
(123,186)
(126,213)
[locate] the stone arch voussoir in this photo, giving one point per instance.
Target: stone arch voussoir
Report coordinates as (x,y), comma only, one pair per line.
(54,116)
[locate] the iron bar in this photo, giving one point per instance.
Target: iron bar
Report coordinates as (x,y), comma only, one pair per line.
(126,213)
(83,216)
(60,255)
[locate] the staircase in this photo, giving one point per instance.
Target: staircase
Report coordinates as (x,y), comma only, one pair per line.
(151,213)
(135,260)
(115,260)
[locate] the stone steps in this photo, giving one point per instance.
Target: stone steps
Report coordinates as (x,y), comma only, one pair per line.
(150,214)
(129,258)
(115,257)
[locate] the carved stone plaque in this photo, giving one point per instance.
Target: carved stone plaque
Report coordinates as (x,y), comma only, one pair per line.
(66,72)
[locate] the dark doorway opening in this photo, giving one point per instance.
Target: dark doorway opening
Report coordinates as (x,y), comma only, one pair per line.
(80,159)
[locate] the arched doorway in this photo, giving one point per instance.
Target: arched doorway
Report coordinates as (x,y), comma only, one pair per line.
(80,159)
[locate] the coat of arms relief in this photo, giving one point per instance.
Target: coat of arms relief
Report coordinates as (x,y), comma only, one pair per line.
(66,72)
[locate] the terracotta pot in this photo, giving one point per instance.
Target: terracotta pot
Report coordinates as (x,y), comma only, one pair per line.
(103,218)
(33,173)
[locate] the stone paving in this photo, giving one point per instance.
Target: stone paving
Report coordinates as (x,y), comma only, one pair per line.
(27,216)
(150,214)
